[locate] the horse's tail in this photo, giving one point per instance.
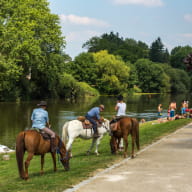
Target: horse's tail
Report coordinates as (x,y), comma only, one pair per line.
(20,150)
(135,124)
(64,133)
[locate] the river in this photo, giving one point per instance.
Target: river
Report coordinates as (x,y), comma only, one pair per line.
(15,117)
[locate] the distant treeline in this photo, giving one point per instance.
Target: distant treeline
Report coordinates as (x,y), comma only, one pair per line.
(33,63)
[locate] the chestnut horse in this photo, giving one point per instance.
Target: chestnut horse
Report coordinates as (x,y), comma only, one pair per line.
(125,126)
(33,142)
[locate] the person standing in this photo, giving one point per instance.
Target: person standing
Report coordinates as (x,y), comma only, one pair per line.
(172,108)
(40,120)
(120,106)
(159,113)
(121,111)
(93,115)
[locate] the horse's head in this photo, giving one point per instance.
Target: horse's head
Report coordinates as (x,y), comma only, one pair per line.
(64,155)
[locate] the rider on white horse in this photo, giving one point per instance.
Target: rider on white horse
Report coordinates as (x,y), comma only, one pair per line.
(93,114)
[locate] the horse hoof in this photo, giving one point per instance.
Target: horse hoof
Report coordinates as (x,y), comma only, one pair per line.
(41,173)
(125,155)
(26,178)
(88,153)
(97,154)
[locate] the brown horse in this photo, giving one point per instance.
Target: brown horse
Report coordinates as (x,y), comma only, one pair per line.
(33,142)
(125,126)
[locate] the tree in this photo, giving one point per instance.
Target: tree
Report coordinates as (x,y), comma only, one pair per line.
(30,37)
(157,52)
(9,77)
(112,74)
(128,49)
(84,68)
(178,54)
(152,78)
(179,79)
(188,61)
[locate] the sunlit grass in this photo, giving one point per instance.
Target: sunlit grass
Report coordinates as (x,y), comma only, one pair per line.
(82,166)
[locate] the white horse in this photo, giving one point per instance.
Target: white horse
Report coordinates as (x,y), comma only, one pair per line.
(73,129)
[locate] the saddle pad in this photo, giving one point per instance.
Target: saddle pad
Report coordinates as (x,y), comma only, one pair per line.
(42,133)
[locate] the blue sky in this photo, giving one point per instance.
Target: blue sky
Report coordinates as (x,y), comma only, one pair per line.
(143,20)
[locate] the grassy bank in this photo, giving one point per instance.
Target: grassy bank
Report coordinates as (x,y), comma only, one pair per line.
(82,166)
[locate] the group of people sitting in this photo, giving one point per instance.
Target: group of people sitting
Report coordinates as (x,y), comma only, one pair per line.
(185,112)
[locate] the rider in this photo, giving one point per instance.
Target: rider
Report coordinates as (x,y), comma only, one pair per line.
(92,116)
(40,120)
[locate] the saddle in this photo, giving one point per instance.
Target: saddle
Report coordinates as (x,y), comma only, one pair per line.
(114,122)
(86,123)
(45,136)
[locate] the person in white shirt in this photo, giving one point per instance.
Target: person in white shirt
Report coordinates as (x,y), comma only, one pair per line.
(120,106)
(121,111)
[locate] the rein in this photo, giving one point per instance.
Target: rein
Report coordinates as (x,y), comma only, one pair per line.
(105,127)
(59,152)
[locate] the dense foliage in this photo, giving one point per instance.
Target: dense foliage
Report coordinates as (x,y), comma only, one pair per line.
(33,63)
(31,57)
(151,69)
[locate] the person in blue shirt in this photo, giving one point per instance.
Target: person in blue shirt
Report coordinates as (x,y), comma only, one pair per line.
(92,116)
(40,120)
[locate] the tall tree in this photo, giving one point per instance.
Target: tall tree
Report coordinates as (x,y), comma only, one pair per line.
(30,36)
(158,53)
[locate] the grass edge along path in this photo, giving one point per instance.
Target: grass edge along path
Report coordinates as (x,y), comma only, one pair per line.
(82,166)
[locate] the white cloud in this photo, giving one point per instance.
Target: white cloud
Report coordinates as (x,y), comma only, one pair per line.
(148,3)
(188,17)
(77,20)
(81,35)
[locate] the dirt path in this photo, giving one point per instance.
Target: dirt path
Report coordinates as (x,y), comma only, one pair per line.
(165,166)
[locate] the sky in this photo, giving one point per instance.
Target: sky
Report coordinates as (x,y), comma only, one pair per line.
(142,20)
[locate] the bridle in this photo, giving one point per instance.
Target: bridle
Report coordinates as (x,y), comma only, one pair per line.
(105,126)
(59,152)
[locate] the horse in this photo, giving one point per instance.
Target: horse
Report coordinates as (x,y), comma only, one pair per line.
(74,128)
(125,126)
(34,143)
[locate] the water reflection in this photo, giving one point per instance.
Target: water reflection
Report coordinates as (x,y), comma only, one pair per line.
(15,117)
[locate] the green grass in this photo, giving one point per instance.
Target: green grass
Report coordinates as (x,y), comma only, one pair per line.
(81,166)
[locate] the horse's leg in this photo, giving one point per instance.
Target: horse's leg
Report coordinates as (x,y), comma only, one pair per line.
(92,145)
(118,144)
(125,145)
(133,146)
(42,163)
(115,144)
(27,162)
(97,144)
(69,145)
(54,161)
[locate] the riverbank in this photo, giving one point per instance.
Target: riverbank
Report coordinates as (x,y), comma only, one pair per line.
(82,166)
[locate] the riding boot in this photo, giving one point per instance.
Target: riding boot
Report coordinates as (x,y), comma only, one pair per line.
(96,135)
(53,145)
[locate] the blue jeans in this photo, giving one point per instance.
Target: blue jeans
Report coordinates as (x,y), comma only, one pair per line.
(93,122)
